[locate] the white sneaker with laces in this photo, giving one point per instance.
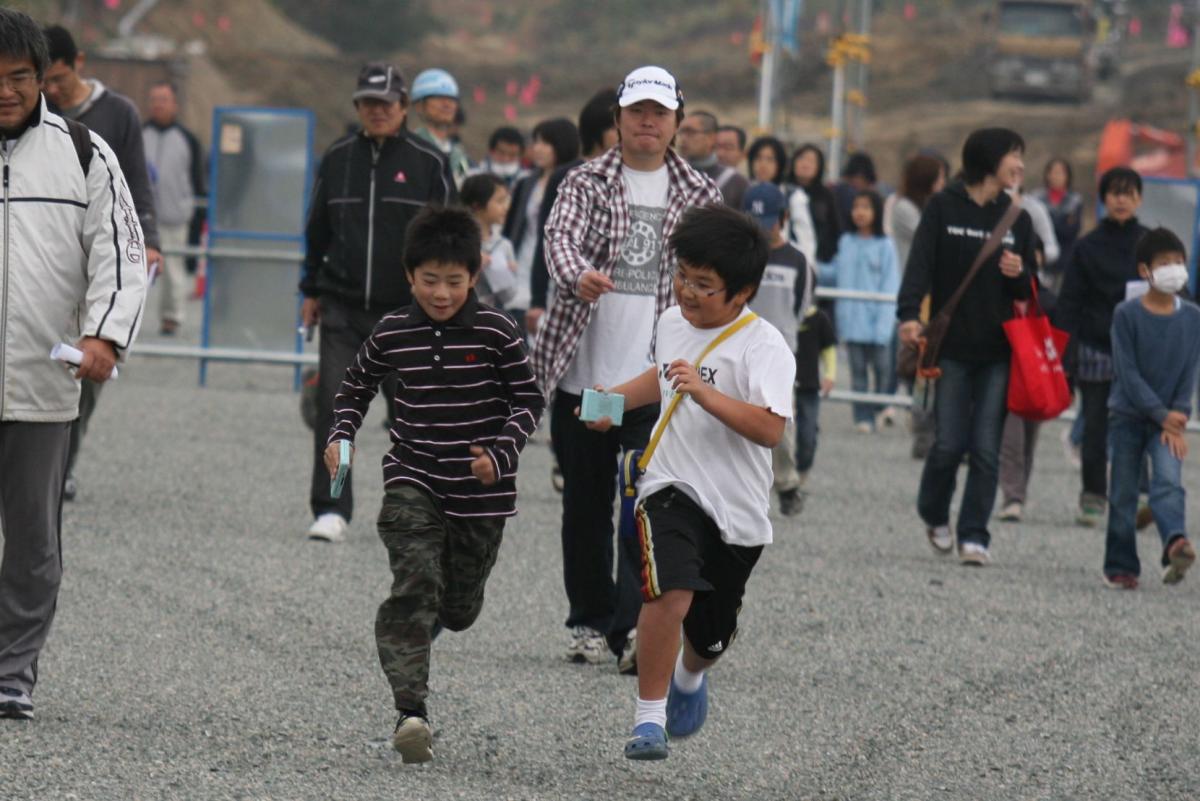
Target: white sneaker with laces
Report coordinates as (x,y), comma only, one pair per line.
(329,527)
(972,553)
(940,538)
(587,645)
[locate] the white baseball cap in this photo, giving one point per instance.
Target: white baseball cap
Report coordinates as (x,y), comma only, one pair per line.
(650,83)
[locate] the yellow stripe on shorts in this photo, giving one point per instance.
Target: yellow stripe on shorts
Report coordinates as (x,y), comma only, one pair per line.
(650,588)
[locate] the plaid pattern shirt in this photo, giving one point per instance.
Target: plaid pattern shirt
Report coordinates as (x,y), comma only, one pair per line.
(585,231)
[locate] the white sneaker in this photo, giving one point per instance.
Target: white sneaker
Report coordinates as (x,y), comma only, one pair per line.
(329,527)
(864,428)
(940,538)
(627,663)
(886,418)
(972,553)
(587,645)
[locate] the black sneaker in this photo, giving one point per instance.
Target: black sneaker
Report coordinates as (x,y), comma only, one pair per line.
(791,502)
(413,738)
(15,704)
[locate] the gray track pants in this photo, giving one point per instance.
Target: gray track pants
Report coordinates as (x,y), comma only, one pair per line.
(33,462)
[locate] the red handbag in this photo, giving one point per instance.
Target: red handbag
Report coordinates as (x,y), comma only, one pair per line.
(1037,383)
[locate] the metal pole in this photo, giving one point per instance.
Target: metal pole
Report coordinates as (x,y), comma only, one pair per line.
(860,114)
(766,84)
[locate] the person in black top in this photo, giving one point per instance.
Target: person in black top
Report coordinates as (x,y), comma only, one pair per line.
(807,171)
(370,185)
(971,395)
(1098,269)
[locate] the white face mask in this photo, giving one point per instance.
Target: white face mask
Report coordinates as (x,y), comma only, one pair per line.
(505,170)
(1169,278)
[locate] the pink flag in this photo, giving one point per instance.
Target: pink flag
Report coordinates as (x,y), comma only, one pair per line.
(910,11)
(480,95)
(510,112)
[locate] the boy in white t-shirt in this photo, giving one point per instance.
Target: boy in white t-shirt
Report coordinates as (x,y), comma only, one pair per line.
(703,502)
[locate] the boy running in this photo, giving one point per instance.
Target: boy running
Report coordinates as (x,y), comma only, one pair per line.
(1148,410)
(703,501)
(466,401)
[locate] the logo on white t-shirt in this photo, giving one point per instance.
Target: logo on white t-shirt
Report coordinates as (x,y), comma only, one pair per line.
(636,271)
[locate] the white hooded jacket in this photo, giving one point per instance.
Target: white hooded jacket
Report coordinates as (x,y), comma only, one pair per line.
(72,264)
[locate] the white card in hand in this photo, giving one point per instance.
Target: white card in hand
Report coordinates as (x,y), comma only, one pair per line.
(73,356)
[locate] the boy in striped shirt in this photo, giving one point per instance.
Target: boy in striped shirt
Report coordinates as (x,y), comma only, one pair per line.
(466,401)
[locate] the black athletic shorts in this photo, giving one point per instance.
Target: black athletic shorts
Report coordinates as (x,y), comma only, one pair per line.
(682,549)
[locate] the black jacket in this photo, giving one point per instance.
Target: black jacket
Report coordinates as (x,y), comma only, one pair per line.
(356,246)
(540,277)
(1100,265)
(951,233)
(822,207)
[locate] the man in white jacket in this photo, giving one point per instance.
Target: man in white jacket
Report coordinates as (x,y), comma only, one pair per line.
(72,269)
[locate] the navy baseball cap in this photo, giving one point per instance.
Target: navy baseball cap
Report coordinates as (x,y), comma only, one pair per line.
(764,201)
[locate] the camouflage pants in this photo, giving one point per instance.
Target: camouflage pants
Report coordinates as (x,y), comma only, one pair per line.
(439,567)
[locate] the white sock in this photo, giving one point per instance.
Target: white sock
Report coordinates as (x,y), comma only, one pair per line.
(685,679)
(651,712)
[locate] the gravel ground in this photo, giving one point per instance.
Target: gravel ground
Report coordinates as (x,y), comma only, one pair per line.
(203,649)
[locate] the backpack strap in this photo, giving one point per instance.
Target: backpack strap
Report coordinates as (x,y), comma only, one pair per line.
(81,137)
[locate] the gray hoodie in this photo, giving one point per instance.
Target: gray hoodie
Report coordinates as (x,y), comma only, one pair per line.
(115,119)
(176,168)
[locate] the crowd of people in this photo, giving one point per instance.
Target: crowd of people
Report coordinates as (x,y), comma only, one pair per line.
(645,251)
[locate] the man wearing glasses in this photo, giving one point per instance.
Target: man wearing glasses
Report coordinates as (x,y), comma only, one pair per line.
(606,249)
(698,144)
(73,271)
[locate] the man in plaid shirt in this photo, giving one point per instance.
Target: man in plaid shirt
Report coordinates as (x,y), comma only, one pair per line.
(606,249)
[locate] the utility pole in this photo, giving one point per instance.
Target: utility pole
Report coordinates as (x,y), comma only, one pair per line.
(859,95)
(850,51)
(766,85)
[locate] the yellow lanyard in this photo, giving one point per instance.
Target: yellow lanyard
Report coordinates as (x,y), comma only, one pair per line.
(666,418)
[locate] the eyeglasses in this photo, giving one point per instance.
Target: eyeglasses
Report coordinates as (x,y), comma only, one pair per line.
(18,81)
(687,283)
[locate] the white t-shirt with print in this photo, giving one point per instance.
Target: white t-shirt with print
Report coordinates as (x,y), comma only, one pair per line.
(615,347)
(726,474)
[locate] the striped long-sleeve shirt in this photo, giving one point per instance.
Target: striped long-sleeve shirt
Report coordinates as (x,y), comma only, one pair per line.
(463,382)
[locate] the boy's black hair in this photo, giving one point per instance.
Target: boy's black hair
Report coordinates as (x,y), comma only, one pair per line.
(1157,242)
(507,134)
(61,45)
(726,241)
(876,207)
(442,235)
(477,191)
(776,147)
(985,149)
(860,165)
(596,118)
(562,135)
(1121,180)
(20,37)
(739,132)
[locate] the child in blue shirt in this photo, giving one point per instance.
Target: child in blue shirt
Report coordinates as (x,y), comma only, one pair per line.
(866,261)
(1148,409)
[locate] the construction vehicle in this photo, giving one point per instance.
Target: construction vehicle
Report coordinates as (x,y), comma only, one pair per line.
(1043,48)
